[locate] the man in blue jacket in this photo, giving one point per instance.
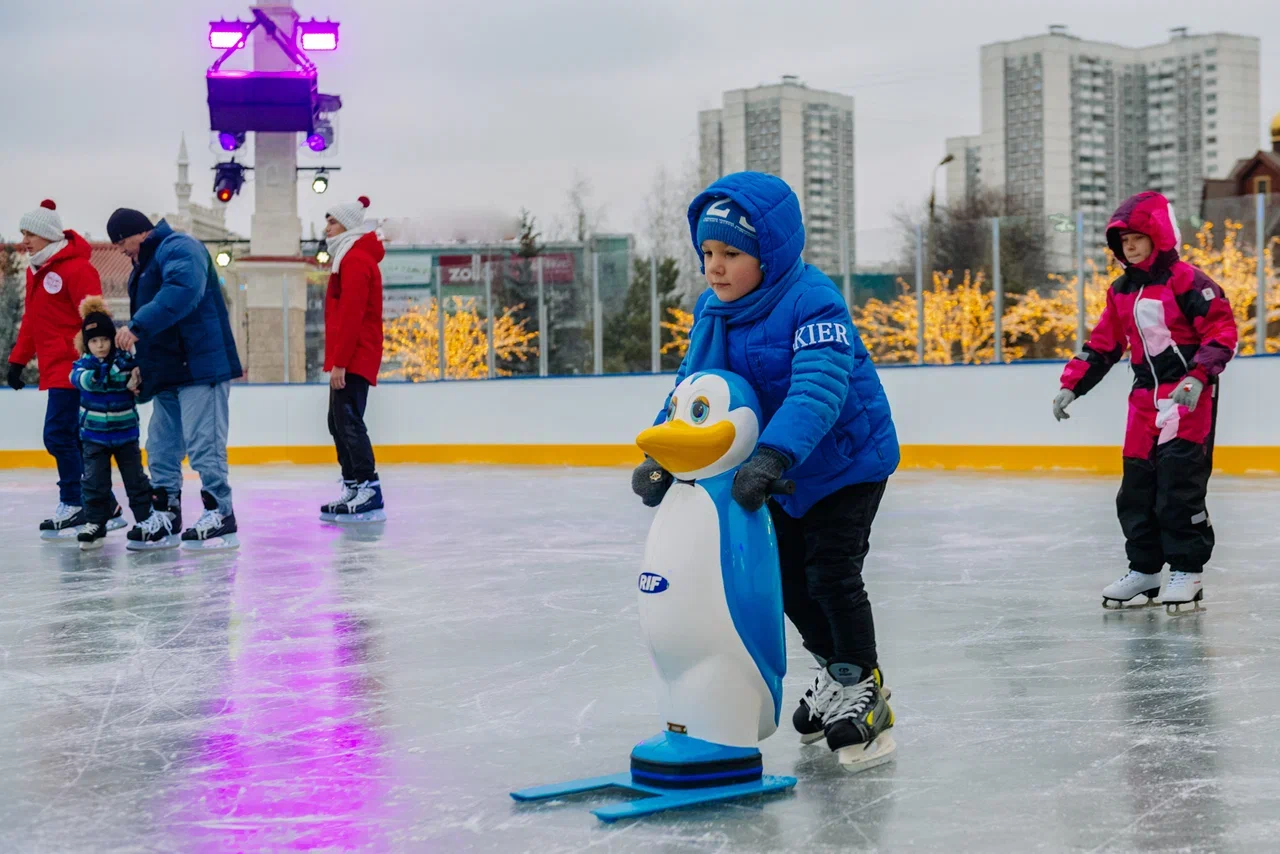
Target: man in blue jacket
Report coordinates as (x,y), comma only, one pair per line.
(187,356)
(782,325)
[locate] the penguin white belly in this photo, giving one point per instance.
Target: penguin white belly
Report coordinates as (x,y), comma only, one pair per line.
(707,681)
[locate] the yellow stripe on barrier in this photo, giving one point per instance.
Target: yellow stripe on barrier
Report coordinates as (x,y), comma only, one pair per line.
(1046,459)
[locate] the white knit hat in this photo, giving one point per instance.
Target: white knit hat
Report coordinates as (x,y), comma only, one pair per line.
(351,215)
(43,221)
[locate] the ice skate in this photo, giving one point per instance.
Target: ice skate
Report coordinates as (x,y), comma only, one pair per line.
(116,522)
(858,726)
(1117,595)
(816,702)
(92,536)
(212,532)
(329,511)
(63,523)
(364,506)
(1183,593)
(160,529)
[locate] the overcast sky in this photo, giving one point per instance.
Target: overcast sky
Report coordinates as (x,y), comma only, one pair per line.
(465,108)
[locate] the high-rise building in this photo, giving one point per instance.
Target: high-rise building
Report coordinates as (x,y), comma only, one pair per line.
(1072,125)
(964,172)
(805,137)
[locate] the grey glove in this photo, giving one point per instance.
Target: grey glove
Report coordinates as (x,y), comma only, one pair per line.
(651,481)
(15,376)
(1187,393)
(751,483)
(1061,402)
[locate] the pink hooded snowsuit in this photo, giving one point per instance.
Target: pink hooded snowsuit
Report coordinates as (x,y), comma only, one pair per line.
(1177,323)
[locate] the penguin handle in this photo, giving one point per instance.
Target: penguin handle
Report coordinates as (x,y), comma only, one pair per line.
(782,486)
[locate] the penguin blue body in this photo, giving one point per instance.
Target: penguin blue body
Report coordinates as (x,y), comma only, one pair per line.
(711,612)
(710,589)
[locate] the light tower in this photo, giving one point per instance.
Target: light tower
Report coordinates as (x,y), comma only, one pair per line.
(279,101)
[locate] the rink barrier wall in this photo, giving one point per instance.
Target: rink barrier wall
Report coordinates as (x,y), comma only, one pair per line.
(981,417)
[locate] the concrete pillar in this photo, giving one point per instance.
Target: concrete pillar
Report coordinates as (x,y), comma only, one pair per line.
(274,274)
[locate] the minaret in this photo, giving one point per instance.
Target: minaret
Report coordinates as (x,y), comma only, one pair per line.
(183,187)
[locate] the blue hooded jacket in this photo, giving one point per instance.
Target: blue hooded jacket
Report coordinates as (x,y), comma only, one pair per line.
(793,340)
(177,312)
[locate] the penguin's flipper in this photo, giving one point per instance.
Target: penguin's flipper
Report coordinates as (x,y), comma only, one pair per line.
(753,586)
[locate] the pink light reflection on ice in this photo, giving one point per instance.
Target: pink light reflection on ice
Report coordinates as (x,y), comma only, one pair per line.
(291,761)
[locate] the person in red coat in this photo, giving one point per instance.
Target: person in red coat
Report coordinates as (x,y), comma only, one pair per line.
(353,356)
(59,277)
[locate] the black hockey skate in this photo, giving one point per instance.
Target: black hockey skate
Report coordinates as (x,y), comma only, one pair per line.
(92,536)
(816,702)
(63,523)
(858,723)
(116,522)
(212,532)
(364,506)
(160,529)
(333,508)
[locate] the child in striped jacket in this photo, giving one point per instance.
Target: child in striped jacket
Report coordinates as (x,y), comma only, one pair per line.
(107,381)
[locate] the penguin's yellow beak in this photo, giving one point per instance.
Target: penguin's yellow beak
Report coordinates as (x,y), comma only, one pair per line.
(680,447)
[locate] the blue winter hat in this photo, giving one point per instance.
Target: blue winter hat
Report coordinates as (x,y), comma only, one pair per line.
(726,221)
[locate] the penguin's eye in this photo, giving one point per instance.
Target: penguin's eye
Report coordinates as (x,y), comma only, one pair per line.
(671,410)
(699,411)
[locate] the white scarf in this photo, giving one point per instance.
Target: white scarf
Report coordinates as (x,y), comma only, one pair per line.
(339,245)
(43,257)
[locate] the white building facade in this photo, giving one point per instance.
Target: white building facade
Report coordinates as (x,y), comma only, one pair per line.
(804,136)
(1072,125)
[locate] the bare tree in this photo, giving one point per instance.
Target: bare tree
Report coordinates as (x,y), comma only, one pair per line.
(666,225)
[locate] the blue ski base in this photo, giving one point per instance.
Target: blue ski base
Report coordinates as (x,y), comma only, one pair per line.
(659,800)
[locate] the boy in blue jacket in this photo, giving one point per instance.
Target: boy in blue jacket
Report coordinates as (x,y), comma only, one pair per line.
(106,379)
(784,327)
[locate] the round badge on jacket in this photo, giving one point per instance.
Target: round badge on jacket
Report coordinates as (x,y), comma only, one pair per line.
(52,283)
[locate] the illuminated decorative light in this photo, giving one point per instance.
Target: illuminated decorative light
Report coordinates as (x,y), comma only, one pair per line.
(318,35)
(224,35)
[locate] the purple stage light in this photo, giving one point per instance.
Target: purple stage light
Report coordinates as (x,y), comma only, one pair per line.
(231,141)
(316,142)
(224,35)
(318,35)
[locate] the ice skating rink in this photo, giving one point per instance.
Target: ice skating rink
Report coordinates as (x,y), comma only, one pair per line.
(383,689)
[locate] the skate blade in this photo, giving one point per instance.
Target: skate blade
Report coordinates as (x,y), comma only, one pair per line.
(92,546)
(226,543)
(813,737)
(360,518)
(169,542)
(1130,605)
(1184,609)
(60,536)
(116,524)
(328,517)
(858,758)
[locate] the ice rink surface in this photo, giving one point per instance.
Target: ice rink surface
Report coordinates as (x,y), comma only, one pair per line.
(383,689)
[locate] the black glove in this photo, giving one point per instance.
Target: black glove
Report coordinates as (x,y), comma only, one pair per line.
(15,376)
(751,483)
(651,481)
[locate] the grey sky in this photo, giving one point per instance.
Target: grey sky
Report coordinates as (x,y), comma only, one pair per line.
(462,108)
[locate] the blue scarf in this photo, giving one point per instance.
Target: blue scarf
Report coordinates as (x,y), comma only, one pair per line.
(709,338)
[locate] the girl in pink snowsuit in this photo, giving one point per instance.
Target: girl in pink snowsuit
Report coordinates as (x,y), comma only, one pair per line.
(1180,330)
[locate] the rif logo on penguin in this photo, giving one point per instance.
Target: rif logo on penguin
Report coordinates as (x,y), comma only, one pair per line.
(651,582)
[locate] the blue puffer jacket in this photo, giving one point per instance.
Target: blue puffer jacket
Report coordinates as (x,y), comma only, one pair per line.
(822,401)
(178,314)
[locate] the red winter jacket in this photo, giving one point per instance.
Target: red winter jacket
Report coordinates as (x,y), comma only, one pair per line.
(1175,319)
(353,311)
(51,317)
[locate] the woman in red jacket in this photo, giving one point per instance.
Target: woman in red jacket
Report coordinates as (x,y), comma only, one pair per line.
(353,355)
(59,277)
(1180,331)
